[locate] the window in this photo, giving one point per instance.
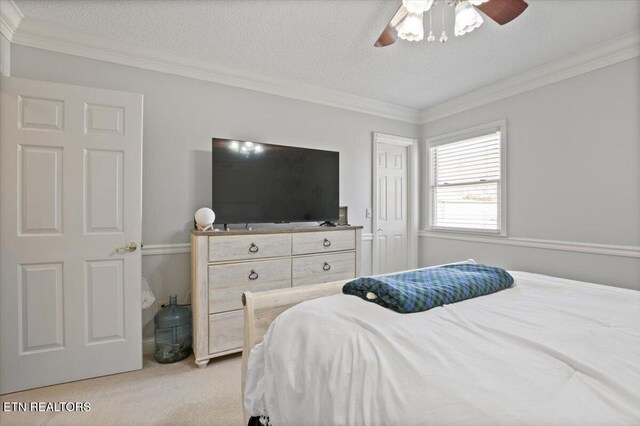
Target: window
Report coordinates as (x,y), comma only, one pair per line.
(467,180)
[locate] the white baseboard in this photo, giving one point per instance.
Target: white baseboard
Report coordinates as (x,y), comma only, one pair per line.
(148,346)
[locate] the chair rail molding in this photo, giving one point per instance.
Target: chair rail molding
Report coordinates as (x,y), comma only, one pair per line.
(161,249)
(584,61)
(573,246)
(185,248)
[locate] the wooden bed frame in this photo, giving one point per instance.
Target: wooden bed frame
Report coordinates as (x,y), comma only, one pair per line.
(260,309)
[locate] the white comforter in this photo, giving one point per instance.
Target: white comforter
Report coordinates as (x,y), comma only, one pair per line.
(547,351)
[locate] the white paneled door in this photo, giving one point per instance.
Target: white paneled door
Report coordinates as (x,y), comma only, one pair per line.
(391,216)
(70,222)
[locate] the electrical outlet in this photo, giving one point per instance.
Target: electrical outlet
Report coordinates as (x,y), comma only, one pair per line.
(368,213)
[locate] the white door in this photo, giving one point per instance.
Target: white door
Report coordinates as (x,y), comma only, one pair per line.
(391,216)
(70,186)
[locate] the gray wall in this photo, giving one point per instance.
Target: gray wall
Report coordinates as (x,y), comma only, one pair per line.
(181,115)
(573,152)
(573,175)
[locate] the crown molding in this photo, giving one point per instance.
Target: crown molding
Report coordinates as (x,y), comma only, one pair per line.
(53,37)
(10,17)
(599,56)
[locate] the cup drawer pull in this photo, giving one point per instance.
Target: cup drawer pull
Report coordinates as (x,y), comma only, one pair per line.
(326,243)
(254,248)
(253,275)
(326,266)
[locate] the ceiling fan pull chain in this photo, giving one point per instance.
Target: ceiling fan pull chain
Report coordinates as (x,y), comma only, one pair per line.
(431,37)
(443,37)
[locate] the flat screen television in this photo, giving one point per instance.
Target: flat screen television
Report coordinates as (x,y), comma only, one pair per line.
(262,183)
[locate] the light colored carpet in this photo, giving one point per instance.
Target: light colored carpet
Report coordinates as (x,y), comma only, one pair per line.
(159,394)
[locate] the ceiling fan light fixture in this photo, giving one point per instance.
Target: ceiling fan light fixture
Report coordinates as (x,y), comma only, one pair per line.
(477,2)
(407,22)
(467,18)
(411,29)
(417,6)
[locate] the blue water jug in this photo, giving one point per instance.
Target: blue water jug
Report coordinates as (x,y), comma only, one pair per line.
(173,332)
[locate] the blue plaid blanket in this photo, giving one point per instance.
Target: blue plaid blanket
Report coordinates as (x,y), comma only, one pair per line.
(423,289)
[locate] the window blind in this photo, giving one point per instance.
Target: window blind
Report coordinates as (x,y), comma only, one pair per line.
(465,184)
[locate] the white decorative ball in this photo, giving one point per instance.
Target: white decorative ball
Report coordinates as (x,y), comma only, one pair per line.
(205,217)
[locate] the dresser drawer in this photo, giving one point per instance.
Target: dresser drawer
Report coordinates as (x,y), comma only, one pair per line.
(225,331)
(323,268)
(319,242)
(241,247)
(228,282)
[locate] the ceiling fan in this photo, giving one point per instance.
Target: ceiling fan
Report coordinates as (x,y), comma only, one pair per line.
(407,21)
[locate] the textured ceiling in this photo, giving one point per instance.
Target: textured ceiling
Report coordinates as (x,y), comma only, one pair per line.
(330,43)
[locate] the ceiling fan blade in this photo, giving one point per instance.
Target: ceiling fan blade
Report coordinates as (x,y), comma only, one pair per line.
(390,33)
(503,11)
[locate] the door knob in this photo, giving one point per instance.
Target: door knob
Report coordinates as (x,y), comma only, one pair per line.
(380,229)
(128,247)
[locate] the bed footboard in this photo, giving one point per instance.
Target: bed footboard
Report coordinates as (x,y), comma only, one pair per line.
(261,308)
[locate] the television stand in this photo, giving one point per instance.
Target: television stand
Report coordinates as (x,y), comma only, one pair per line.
(327,223)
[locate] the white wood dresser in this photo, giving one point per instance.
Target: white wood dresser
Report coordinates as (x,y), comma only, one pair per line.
(227,263)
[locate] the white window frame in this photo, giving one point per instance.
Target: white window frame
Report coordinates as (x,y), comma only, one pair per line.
(481,130)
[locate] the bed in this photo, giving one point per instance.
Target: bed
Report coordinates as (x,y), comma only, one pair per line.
(545,351)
